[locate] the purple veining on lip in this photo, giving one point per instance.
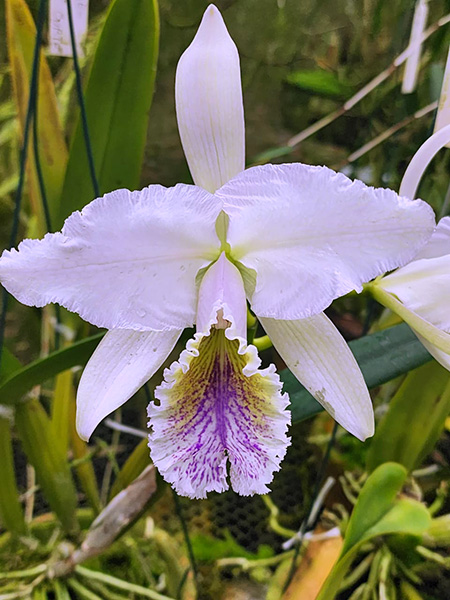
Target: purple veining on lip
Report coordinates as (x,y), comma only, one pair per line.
(213,414)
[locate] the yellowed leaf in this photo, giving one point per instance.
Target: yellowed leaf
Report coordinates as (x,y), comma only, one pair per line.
(21,37)
(314,568)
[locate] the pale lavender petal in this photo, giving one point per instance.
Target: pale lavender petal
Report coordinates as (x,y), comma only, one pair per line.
(121,364)
(312,235)
(209,104)
(222,289)
(439,243)
(423,287)
(128,260)
(320,358)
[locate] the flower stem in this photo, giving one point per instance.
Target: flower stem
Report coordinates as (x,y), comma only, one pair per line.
(247,564)
(262,343)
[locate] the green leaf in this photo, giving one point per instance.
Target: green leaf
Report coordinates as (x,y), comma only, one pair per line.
(382,356)
(21,36)
(375,501)
(414,421)
(209,549)
(9,365)
(11,512)
(60,415)
(138,460)
(61,591)
(438,533)
(84,468)
(319,81)
(52,468)
(118,98)
(21,381)
(377,512)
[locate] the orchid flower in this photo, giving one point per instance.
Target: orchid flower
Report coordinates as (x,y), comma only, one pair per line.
(147,264)
(419,292)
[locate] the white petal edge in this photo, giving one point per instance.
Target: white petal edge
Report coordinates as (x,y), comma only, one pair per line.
(439,243)
(128,260)
(443,358)
(421,160)
(423,287)
(312,235)
(434,335)
(210,110)
(121,364)
(317,354)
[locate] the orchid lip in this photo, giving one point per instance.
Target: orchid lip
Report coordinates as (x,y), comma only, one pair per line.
(217,407)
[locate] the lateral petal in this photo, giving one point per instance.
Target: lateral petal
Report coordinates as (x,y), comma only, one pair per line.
(443,358)
(423,287)
(121,364)
(419,292)
(128,260)
(209,105)
(312,235)
(217,406)
(319,357)
(418,323)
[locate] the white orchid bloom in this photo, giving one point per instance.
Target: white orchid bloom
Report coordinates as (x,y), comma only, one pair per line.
(287,238)
(419,292)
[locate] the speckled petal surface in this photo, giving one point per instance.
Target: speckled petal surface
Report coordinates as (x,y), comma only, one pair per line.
(217,407)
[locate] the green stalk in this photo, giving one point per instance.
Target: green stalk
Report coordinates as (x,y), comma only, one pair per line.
(119,583)
(10,508)
(52,468)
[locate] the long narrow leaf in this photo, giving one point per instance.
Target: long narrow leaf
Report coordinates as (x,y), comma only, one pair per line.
(419,408)
(138,460)
(10,509)
(52,468)
(118,99)
(9,365)
(60,416)
(84,469)
(21,36)
(19,383)
(377,512)
(382,356)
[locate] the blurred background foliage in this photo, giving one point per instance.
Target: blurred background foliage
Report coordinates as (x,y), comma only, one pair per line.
(96,521)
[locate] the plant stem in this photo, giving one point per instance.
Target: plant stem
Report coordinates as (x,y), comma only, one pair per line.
(247,564)
(119,583)
(25,573)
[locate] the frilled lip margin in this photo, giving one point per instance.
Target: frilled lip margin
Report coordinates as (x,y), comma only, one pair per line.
(217,406)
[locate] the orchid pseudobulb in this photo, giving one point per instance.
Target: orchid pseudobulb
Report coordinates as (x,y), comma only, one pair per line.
(288,239)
